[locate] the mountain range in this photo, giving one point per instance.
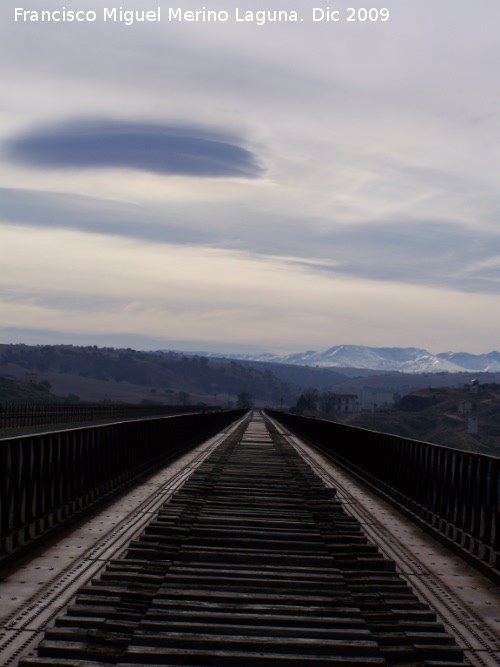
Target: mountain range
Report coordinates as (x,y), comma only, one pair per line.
(399,359)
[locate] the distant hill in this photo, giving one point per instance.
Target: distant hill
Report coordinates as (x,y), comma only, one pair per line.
(127,375)
(130,376)
(441,416)
(401,359)
(473,362)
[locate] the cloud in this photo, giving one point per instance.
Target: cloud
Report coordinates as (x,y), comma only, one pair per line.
(419,252)
(117,285)
(380,169)
(407,250)
(162,149)
(54,210)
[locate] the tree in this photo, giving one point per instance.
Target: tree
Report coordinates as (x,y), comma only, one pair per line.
(307,401)
(328,402)
(244,400)
(45,385)
(183,397)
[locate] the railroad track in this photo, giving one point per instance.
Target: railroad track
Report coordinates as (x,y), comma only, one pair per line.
(254,561)
(21,630)
(422,569)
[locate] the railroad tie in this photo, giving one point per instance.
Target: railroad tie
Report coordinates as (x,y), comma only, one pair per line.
(254,562)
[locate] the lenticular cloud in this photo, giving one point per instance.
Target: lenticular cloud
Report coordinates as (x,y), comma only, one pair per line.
(163,149)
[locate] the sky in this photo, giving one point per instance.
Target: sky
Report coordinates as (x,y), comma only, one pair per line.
(231,186)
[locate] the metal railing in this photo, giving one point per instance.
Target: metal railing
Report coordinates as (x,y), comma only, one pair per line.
(16,415)
(48,478)
(452,493)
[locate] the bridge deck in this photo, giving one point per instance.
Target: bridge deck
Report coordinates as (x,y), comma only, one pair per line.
(266,555)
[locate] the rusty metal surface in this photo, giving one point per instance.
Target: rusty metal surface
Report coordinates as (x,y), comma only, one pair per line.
(254,561)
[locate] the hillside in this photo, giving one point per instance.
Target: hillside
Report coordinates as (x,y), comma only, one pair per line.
(18,391)
(373,388)
(95,374)
(441,416)
(130,376)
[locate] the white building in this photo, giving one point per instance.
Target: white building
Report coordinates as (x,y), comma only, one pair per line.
(346,403)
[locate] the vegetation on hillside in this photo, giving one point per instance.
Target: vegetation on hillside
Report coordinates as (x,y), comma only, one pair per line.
(444,416)
(165,375)
(18,391)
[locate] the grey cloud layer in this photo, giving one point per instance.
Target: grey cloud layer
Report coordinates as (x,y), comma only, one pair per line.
(91,214)
(426,252)
(161,149)
(380,148)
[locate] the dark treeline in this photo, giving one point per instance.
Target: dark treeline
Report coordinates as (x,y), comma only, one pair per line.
(171,372)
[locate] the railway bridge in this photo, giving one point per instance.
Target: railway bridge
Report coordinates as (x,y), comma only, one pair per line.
(230,539)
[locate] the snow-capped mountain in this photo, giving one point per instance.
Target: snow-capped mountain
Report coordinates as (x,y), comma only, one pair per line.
(402,359)
(473,362)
